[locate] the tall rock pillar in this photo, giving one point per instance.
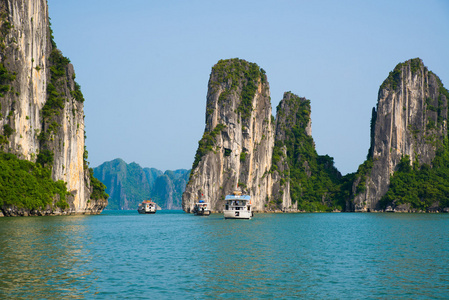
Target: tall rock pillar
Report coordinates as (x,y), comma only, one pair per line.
(410,119)
(236,148)
(41,105)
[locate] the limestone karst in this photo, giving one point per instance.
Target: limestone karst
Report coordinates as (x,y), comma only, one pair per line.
(42,114)
(235,150)
(244,148)
(410,120)
(275,161)
(129,184)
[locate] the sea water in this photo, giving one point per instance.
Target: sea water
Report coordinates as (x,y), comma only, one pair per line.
(174,255)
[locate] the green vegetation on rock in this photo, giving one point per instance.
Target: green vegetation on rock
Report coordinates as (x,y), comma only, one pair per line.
(314,181)
(361,175)
(394,78)
(421,186)
(206,144)
(5,29)
(77,94)
(27,185)
(6,78)
(56,97)
(98,188)
(233,74)
(45,158)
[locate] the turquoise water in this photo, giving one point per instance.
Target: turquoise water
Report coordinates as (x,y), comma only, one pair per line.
(173,255)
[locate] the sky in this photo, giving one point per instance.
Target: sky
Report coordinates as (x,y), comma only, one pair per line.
(144,66)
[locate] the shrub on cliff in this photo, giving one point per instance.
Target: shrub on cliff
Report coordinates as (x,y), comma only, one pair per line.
(237,73)
(206,144)
(314,180)
(421,186)
(98,188)
(25,184)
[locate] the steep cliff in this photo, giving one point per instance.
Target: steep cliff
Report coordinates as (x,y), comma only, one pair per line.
(42,115)
(406,168)
(168,188)
(302,179)
(130,184)
(235,150)
(410,121)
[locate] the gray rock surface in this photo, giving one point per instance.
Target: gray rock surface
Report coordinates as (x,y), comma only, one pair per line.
(410,119)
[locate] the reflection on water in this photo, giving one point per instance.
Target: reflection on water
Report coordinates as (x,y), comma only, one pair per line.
(174,255)
(43,257)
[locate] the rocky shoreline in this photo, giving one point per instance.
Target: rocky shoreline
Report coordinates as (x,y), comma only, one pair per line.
(94,207)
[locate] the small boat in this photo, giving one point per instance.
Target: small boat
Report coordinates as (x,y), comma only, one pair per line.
(237,206)
(202,208)
(147,207)
(389,209)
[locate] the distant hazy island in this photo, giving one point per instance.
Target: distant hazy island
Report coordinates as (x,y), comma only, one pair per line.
(130,184)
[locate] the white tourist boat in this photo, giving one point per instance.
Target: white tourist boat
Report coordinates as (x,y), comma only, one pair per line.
(237,206)
(147,207)
(202,208)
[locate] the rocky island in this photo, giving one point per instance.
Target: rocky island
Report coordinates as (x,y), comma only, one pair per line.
(44,168)
(407,165)
(236,147)
(274,159)
(129,184)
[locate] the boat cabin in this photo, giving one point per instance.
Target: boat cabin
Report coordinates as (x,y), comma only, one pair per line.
(202,208)
(237,206)
(147,207)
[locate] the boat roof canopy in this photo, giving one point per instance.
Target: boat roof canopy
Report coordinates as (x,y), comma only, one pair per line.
(236,197)
(148,201)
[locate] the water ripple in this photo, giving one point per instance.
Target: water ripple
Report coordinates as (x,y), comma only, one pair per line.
(176,256)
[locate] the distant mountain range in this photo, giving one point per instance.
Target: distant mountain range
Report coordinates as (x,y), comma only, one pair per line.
(130,184)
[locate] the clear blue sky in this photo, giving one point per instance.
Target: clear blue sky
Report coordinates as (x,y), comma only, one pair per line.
(144,66)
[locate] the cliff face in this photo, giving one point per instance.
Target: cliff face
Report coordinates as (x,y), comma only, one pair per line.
(302,179)
(26,46)
(168,188)
(130,184)
(288,115)
(127,184)
(42,114)
(410,120)
(235,151)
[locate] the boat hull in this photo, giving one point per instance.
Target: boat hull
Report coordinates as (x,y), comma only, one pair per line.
(237,214)
(203,213)
(146,212)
